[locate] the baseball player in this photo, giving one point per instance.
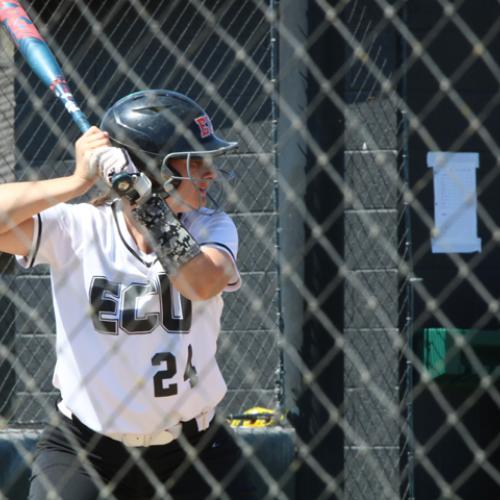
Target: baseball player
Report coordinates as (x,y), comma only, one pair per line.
(136,285)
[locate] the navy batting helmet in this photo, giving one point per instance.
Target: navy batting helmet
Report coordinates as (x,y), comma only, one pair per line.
(155,125)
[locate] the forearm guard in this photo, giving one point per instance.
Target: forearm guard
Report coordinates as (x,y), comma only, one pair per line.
(170,240)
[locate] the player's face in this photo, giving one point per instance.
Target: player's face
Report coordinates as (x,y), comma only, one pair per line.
(192,194)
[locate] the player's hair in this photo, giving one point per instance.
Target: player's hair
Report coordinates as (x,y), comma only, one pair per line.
(102,199)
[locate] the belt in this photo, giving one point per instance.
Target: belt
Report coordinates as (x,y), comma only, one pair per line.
(188,428)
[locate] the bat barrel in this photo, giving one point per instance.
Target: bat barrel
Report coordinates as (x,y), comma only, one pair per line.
(39,57)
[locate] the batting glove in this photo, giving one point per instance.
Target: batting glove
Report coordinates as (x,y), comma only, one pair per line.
(106,162)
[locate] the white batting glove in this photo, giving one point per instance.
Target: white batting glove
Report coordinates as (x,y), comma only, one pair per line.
(109,161)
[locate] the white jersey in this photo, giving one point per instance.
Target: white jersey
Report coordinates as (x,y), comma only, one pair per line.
(133,355)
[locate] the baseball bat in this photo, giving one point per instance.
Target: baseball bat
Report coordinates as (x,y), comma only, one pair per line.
(40,58)
(42,61)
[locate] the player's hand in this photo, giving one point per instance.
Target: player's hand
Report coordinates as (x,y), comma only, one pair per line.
(109,161)
(92,140)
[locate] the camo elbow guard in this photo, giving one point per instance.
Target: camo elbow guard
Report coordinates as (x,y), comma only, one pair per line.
(170,240)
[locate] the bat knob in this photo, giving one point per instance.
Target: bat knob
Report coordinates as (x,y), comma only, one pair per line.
(122,183)
(136,187)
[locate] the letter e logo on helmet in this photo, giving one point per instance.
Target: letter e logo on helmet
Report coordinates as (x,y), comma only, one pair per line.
(205,126)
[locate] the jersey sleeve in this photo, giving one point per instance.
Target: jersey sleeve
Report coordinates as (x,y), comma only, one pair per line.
(54,235)
(219,231)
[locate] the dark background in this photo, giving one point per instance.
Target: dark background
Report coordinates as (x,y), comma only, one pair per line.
(446,118)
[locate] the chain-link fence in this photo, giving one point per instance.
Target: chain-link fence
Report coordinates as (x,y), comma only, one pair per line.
(364,339)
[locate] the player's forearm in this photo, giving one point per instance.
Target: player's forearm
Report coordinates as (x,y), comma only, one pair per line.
(21,200)
(198,274)
(204,276)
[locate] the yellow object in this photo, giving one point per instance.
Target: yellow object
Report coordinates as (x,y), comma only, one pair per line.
(256,417)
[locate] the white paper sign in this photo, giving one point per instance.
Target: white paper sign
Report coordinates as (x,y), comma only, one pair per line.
(455,202)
